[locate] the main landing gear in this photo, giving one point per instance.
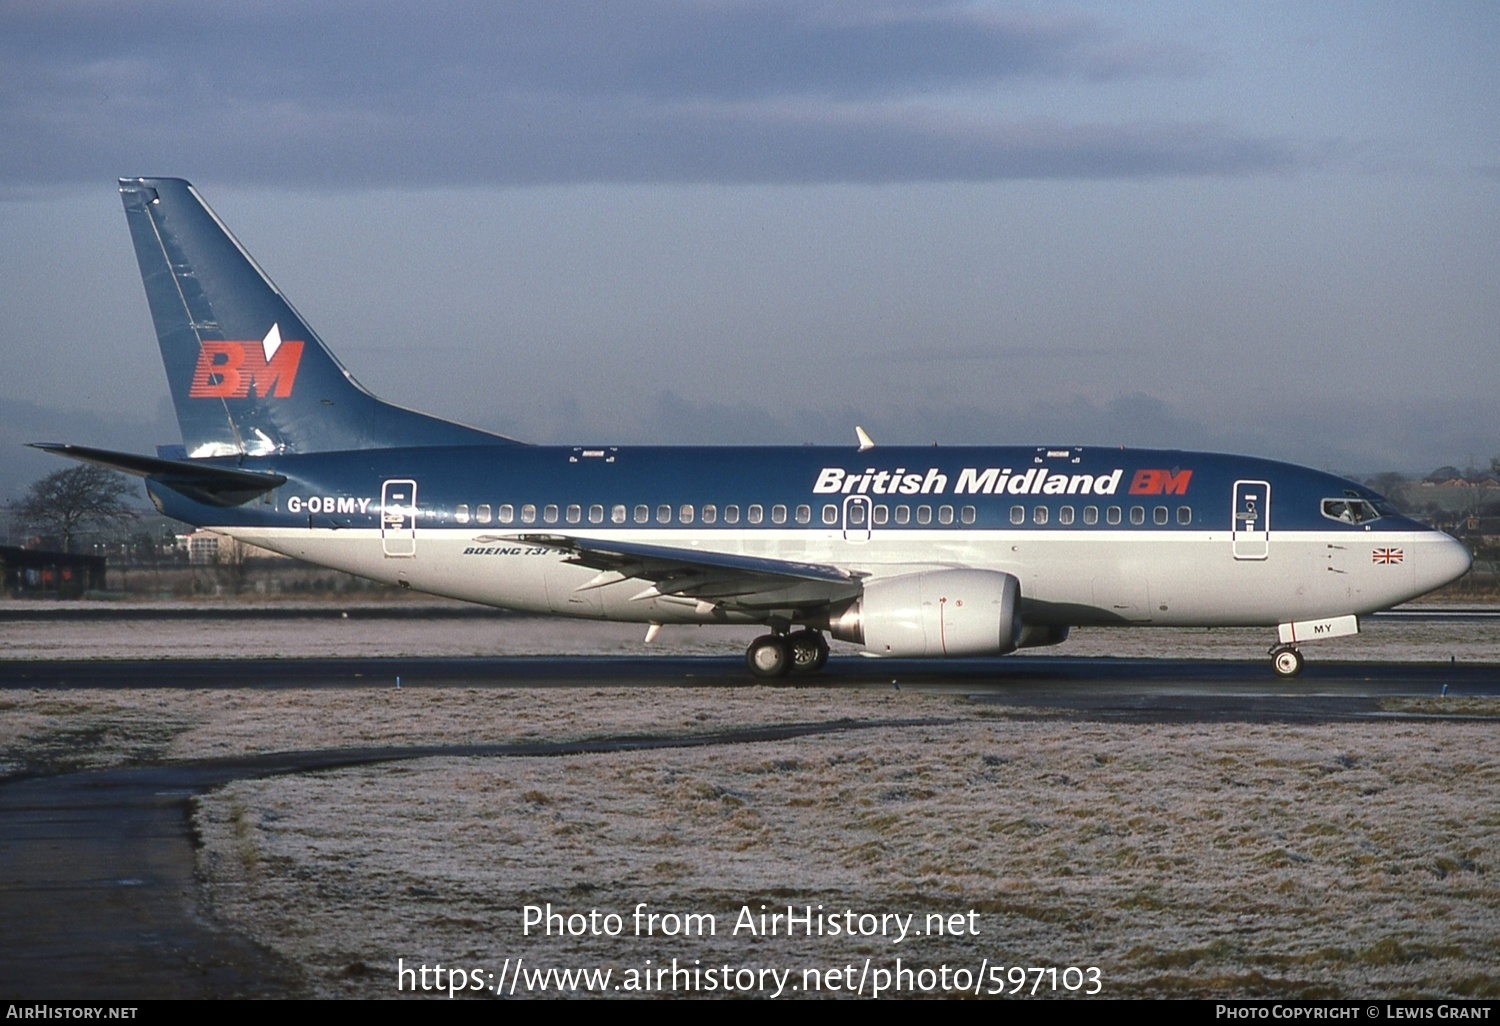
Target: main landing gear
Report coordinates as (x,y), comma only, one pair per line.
(1286,660)
(776,655)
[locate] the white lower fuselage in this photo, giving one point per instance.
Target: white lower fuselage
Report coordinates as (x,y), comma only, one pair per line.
(1167,578)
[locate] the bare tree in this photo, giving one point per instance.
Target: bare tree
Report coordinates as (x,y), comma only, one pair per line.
(1390,484)
(233,558)
(66,501)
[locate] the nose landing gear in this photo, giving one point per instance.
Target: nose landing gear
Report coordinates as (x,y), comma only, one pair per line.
(1286,658)
(1286,661)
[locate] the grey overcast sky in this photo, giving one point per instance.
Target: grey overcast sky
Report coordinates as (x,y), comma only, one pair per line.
(1269,228)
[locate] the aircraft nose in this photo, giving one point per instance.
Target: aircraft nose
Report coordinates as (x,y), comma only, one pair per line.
(1444,559)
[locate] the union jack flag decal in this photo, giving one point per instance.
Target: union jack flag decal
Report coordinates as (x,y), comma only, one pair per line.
(1387,556)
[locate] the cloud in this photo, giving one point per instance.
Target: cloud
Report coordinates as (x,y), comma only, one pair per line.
(568,91)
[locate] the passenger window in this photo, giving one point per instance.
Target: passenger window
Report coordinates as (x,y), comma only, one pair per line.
(549,514)
(617,514)
(856,514)
(642,514)
(903,514)
(1039,515)
(945,514)
(664,514)
(924,514)
(778,514)
(507,513)
(804,514)
(731,514)
(710,514)
(1018,514)
(461,513)
(528,514)
(881,516)
(967,514)
(1159,514)
(1091,514)
(685,513)
(830,514)
(1065,515)
(575,514)
(596,514)
(754,514)
(1184,514)
(1112,514)
(482,514)
(1137,514)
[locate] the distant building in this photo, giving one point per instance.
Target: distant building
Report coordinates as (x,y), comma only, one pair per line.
(1452,477)
(202,547)
(205,548)
(37,573)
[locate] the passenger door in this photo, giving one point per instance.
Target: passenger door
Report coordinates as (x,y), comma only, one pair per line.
(398,518)
(1250,529)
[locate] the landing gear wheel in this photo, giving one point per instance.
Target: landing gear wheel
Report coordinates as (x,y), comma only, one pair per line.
(1287,662)
(769,655)
(809,651)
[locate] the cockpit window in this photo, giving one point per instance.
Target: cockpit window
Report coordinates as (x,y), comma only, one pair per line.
(1350,510)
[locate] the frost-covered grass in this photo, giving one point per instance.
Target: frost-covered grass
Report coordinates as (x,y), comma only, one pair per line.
(1241,859)
(85,728)
(1215,860)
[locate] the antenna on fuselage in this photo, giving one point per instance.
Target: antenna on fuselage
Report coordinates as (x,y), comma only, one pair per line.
(866,443)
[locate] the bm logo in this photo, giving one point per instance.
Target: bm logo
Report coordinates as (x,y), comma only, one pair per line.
(230,370)
(1160,482)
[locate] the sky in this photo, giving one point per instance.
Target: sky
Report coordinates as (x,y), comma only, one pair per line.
(1267,228)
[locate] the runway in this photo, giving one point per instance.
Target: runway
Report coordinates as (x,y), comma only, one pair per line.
(1088,686)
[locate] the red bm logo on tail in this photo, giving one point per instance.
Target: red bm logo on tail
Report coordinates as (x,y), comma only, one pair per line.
(229,370)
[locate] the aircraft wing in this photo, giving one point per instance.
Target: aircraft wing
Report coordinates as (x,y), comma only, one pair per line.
(749,582)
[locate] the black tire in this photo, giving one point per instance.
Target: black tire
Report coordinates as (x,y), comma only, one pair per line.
(1286,662)
(809,651)
(769,655)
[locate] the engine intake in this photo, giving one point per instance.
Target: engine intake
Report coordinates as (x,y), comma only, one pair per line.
(934,613)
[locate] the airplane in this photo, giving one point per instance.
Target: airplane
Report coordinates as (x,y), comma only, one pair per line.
(903,551)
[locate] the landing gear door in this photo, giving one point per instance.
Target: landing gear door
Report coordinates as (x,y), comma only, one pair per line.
(398,517)
(1251,527)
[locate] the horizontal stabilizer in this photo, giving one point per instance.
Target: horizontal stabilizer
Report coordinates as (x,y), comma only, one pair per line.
(216,486)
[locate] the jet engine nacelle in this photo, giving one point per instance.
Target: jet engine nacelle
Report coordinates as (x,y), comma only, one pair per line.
(934,613)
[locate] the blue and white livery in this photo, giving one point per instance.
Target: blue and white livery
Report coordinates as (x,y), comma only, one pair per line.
(904,551)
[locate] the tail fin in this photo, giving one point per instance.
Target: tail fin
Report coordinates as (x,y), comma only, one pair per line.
(247,374)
